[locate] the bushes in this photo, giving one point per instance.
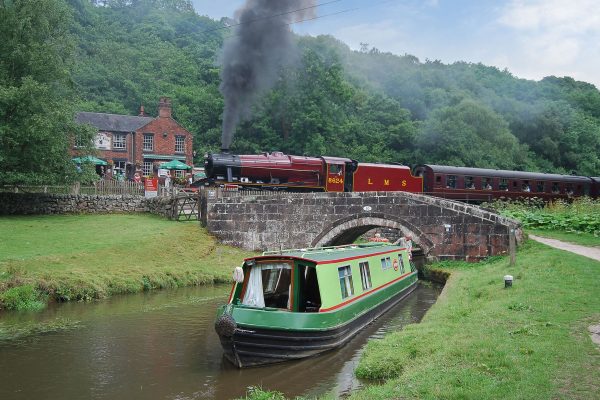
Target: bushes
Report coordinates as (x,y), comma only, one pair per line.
(24,297)
(582,215)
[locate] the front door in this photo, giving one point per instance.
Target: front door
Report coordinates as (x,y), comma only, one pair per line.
(335,177)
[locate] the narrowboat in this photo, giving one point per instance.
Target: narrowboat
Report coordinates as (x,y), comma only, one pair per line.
(293,304)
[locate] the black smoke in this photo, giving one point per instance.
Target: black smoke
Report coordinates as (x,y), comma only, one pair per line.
(261,43)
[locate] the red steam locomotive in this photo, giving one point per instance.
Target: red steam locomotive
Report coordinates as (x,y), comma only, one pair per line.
(277,171)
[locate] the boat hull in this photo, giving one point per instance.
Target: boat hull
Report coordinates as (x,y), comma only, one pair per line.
(247,346)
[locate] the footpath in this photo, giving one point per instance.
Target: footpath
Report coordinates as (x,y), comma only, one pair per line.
(590,252)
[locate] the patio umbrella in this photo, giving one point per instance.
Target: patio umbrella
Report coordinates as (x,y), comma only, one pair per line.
(89,159)
(175,164)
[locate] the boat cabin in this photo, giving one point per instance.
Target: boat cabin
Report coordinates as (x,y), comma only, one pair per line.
(318,280)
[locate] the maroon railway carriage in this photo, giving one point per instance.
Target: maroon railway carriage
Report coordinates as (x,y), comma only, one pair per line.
(479,184)
(277,171)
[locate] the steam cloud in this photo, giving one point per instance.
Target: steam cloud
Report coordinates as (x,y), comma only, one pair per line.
(251,58)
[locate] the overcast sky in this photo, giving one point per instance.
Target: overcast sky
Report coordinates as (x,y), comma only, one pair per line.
(532,38)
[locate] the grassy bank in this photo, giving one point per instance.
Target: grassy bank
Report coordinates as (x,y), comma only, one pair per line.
(482,341)
(61,258)
(581,238)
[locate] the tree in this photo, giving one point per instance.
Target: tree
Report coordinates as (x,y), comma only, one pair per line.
(36,114)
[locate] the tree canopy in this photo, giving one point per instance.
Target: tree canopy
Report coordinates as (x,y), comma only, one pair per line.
(367,105)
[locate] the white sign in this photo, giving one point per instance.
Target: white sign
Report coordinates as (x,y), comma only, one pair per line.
(367,208)
(102,141)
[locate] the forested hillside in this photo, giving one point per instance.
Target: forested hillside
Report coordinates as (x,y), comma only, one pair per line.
(366,105)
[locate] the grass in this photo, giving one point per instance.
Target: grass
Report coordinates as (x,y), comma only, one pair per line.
(481,341)
(581,238)
(85,257)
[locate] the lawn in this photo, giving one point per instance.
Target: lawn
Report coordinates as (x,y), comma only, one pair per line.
(83,257)
(481,341)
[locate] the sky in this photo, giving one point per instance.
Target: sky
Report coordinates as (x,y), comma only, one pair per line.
(530,38)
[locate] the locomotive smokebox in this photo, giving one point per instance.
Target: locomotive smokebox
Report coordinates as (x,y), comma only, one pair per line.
(225,151)
(222,165)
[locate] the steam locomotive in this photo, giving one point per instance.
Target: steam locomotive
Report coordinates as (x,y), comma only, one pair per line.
(278,171)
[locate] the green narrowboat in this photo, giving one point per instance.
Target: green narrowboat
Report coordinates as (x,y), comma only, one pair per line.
(298,303)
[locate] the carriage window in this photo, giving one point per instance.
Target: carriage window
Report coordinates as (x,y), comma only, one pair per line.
(345,274)
(541,186)
(555,188)
(469,182)
(486,183)
(438,180)
(386,263)
(451,181)
(365,275)
(525,186)
(503,185)
(569,189)
(515,183)
(335,168)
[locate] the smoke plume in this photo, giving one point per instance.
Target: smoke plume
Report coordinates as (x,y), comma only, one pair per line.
(252,56)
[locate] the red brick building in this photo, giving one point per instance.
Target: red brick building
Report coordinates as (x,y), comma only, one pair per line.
(141,143)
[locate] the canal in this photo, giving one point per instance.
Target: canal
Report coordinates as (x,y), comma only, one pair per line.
(162,345)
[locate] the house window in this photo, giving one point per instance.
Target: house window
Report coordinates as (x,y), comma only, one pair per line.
(120,166)
(346,286)
(451,181)
(179,173)
(365,275)
(386,263)
(118,141)
(179,144)
(147,168)
(148,142)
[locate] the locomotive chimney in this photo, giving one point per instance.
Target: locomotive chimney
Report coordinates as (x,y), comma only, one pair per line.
(225,151)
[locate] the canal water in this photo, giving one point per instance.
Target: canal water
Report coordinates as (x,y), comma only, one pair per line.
(162,345)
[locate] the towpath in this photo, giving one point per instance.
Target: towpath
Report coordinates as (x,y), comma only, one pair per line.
(590,252)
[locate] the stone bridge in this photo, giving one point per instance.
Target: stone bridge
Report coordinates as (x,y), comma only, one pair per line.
(443,229)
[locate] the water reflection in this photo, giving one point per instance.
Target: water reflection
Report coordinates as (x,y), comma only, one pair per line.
(163,346)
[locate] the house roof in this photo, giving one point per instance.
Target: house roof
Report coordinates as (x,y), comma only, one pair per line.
(112,122)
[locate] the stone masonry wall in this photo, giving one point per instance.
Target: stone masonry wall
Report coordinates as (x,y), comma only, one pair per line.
(444,229)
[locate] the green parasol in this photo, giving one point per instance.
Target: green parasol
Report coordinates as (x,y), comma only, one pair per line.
(175,164)
(89,159)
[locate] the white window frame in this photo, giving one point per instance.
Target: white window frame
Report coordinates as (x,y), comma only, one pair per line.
(179,173)
(179,144)
(147,168)
(148,144)
(119,141)
(386,263)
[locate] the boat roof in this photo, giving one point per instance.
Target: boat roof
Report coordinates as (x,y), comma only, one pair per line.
(327,255)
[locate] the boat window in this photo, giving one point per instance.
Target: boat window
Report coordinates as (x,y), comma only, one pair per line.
(386,263)
(345,274)
(309,296)
(269,286)
(451,181)
(469,182)
(503,185)
(541,186)
(365,275)
(401,263)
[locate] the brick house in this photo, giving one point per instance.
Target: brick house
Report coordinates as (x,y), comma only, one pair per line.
(139,143)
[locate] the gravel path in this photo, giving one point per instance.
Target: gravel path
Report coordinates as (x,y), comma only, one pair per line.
(590,252)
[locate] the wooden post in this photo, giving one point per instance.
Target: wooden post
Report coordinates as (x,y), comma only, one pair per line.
(512,245)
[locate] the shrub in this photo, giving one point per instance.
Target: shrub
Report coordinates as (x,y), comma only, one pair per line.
(24,297)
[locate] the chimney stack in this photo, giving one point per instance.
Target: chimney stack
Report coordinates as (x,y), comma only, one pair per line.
(142,113)
(164,107)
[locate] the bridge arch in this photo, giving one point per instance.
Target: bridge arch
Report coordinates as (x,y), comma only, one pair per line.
(347,230)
